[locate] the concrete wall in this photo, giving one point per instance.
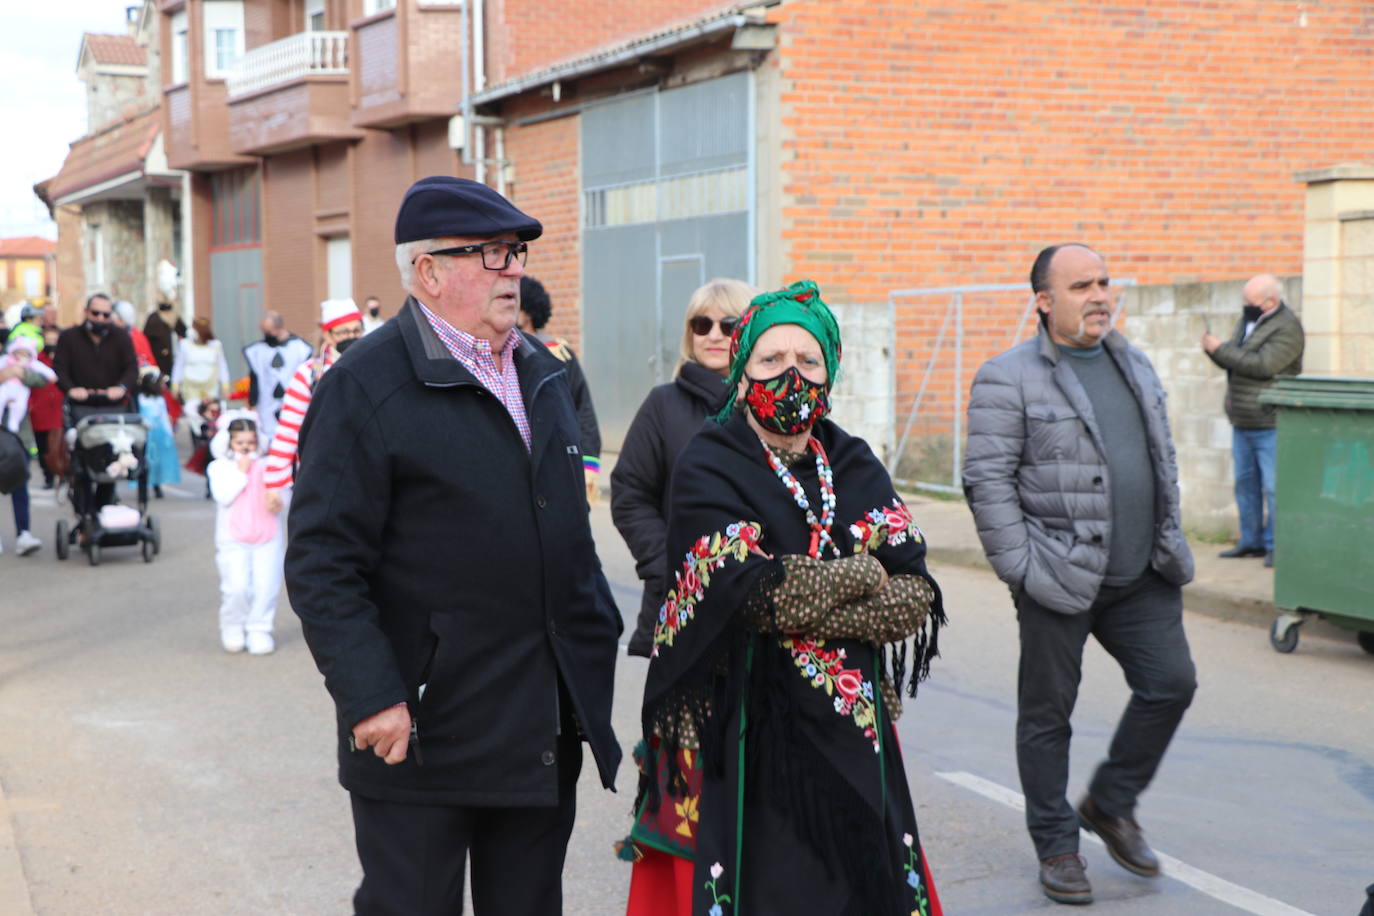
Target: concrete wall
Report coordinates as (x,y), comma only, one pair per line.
(1167,322)
(862,400)
(1338,270)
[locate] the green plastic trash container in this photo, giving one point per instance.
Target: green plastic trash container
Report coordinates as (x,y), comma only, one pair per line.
(1324,505)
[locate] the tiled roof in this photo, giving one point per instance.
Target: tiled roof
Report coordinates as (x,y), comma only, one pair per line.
(116,150)
(27,246)
(115,49)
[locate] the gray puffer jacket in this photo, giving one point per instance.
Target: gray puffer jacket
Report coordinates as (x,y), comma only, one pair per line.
(1036,477)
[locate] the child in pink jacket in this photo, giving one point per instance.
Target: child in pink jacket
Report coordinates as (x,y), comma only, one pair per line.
(248,538)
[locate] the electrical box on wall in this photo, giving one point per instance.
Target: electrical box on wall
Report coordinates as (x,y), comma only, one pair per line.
(457,132)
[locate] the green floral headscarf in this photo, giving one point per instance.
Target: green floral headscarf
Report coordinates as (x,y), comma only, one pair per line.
(798,304)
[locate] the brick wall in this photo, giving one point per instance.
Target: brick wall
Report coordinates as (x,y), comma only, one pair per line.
(71,271)
(546,186)
(931,144)
(523,37)
(292,255)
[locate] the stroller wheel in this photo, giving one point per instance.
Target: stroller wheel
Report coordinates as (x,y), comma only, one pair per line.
(149,550)
(62,545)
(152,526)
(93,552)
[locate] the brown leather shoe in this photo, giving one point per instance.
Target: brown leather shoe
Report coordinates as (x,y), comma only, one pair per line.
(1064,879)
(1123,838)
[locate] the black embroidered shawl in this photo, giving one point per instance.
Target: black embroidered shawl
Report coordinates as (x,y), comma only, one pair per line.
(799,720)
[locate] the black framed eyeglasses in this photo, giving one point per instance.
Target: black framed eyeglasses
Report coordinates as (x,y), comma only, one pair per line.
(701,325)
(495,255)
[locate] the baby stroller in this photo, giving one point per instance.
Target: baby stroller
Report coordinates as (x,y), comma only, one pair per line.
(107,445)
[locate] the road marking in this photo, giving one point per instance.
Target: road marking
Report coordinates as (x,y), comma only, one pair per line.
(1218,888)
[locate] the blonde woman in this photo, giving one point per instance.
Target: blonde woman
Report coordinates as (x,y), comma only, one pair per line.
(668,418)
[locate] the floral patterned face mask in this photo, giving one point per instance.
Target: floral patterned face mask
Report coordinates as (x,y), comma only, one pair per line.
(788,403)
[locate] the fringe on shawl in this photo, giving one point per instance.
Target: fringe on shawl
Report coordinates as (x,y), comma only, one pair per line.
(829,815)
(716,681)
(925,645)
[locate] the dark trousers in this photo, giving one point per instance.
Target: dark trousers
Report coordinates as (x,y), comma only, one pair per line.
(1141,625)
(413,856)
(41,440)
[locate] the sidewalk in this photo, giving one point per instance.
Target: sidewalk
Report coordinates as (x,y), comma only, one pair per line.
(1241,590)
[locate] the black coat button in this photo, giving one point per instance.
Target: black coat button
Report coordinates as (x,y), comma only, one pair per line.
(540,501)
(1097,539)
(1097,481)
(547,758)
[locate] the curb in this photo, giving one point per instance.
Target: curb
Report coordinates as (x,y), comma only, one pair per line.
(1207,600)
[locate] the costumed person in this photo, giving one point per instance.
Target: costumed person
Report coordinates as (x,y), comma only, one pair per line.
(535,310)
(21,370)
(669,417)
(200,371)
(271,363)
(125,318)
(772,779)
(164,329)
(340,325)
(248,537)
(161,452)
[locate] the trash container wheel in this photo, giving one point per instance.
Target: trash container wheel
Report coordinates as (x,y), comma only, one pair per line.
(1366,638)
(1283,643)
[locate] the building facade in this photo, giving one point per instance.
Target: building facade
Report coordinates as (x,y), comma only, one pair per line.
(115,199)
(301,123)
(27,270)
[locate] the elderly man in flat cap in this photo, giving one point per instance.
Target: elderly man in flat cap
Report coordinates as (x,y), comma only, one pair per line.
(442,565)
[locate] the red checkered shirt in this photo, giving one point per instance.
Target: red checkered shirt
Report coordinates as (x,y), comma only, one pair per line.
(476,356)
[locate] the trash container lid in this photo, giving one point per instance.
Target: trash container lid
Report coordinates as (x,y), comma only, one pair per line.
(1321,391)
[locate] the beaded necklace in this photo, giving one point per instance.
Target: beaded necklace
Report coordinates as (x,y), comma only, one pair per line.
(820,529)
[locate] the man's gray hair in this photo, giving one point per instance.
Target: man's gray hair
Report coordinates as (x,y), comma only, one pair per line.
(406,253)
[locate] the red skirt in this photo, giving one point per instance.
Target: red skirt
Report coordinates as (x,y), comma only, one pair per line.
(661,885)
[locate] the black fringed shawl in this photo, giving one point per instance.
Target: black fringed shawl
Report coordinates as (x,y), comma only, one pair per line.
(806,713)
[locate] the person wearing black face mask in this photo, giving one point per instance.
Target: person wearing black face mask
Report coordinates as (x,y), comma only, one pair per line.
(1267,342)
(271,363)
(97,369)
(341,326)
(95,361)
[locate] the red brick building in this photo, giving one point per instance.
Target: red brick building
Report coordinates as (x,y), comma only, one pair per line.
(302,123)
(871,146)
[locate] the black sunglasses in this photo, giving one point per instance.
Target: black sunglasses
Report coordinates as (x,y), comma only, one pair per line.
(495,255)
(701,325)
(94,314)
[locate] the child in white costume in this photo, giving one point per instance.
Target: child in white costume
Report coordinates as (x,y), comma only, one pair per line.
(248,537)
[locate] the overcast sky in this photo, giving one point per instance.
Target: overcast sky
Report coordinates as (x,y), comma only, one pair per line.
(42,103)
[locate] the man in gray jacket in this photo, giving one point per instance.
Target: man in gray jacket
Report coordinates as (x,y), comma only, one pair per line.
(1071,476)
(1267,342)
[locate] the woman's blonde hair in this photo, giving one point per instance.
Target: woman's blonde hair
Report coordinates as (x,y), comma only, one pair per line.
(730,297)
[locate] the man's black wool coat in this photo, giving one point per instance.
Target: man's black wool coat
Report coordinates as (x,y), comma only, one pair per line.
(427,546)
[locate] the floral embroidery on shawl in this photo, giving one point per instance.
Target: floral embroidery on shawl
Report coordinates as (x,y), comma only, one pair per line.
(915,870)
(709,553)
(718,900)
(824,668)
(886,525)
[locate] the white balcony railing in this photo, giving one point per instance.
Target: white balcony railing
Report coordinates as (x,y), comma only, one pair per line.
(302,54)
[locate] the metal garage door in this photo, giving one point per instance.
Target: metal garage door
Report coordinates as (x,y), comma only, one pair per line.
(667,203)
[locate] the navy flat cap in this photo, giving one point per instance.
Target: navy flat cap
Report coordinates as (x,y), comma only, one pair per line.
(441,206)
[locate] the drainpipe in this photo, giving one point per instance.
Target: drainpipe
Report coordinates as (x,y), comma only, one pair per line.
(479,79)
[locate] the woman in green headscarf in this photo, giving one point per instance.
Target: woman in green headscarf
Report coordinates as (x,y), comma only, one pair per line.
(771,777)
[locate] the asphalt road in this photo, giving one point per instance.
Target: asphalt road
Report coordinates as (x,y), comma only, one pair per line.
(145,771)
